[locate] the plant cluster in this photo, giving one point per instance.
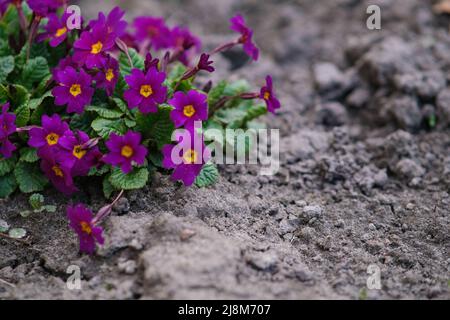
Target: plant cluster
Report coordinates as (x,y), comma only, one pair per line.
(101,103)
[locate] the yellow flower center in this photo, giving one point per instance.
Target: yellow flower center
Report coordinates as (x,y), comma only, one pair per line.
(75,90)
(189,110)
(126,151)
(78,152)
(109,75)
(58,172)
(146,90)
(60,32)
(96,47)
(190,157)
(85,227)
(52,139)
(266,95)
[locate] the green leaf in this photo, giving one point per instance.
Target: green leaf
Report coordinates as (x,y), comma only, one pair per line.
(4,226)
(36,201)
(17,233)
(20,95)
(35,70)
(237,88)
(208,176)
(29,177)
(28,155)
(216,93)
(124,63)
(104,112)
(136,179)
(7,165)
(6,67)
(157,127)
(104,127)
(123,106)
(23,114)
(5,48)
(35,103)
(8,185)
(49,208)
(108,188)
(255,112)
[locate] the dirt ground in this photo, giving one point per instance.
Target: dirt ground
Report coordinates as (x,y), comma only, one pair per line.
(365,173)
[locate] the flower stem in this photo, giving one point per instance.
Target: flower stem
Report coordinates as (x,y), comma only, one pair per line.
(106,210)
(224,47)
(33,31)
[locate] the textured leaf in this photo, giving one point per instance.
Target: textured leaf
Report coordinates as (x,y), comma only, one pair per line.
(34,70)
(255,112)
(28,155)
(104,127)
(17,233)
(6,67)
(108,188)
(8,185)
(136,58)
(23,114)
(216,93)
(7,165)
(136,179)
(156,126)
(29,177)
(208,176)
(34,103)
(104,112)
(36,201)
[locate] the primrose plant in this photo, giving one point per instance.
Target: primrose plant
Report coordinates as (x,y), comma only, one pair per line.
(102,103)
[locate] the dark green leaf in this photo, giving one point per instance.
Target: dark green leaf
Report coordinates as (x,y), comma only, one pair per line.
(8,185)
(30,177)
(136,179)
(208,176)
(157,127)
(104,127)
(6,67)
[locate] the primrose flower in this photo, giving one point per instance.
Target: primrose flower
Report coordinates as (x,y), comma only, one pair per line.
(78,154)
(56,29)
(183,40)
(268,95)
(74,90)
(46,139)
(58,173)
(91,46)
(7,127)
(43,7)
(146,90)
(113,22)
(125,150)
(154,29)
(63,64)
(238,25)
(189,107)
(81,221)
(189,157)
(108,75)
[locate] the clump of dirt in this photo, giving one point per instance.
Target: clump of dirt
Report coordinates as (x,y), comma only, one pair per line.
(364,175)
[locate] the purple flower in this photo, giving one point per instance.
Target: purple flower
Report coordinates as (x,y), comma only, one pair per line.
(43,7)
(78,155)
(46,139)
(268,95)
(56,29)
(154,29)
(125,150)
(63,64)
(108,75)
(189,107)
(188,158)
(81,221)
(146,90)
(74,90)
(183,40)
(150,62)
(238,25)
(205,64)
(58,173)
(7,127)
(91,46)
(113,22)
